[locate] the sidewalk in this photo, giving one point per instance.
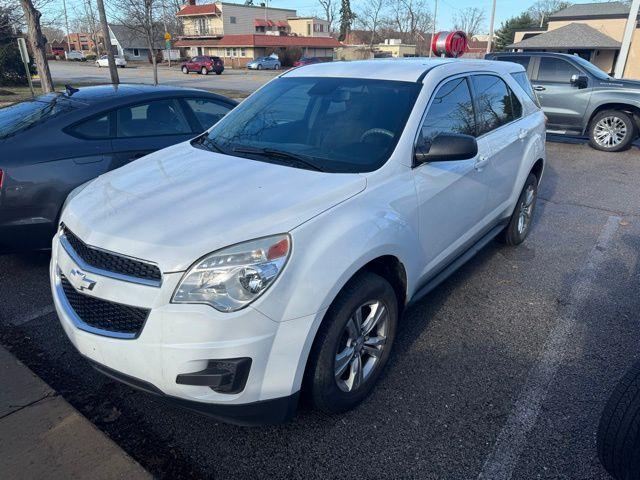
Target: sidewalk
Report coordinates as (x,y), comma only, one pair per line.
(42,436)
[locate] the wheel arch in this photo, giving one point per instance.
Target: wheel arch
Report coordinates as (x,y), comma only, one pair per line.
(633,110)
(538,168)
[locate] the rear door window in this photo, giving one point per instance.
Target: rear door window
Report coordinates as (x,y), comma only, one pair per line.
(523,60)
(208,112)
(94,128)
(160,117)
(496,103)
(556,70)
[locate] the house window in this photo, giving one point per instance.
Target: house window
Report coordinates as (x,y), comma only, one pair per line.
(308,29)
(201,25)
(84,46)
(136,52)
(243,52)
(232,19)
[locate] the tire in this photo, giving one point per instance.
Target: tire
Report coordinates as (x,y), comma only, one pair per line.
(277,66)
(204,71)
(185,70)
(97,65)
(218,72)
(515,233)
(621,122)
(326,391)
(619,429)
(259,67)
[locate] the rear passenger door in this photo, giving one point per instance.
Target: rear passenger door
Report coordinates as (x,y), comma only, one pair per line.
(146,127)
(452,196)
(563,104)
(502,136)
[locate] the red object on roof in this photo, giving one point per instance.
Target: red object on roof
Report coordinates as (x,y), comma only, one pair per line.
(261,41)
(261,22)
(282,23)
(207,9)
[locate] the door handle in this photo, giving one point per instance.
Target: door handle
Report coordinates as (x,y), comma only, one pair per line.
(481,162)
(539,88)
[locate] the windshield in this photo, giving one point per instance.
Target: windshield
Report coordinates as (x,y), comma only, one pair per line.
(329,124)
(27,114)
(591,68)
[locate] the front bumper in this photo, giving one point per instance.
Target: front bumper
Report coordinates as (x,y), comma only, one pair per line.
(182,339)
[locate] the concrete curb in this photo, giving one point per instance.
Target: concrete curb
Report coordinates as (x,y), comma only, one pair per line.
(42,436)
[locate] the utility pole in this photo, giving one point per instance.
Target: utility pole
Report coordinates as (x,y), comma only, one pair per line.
(626,39)
(433,30)
(104,26)
(66,23)
(491,22)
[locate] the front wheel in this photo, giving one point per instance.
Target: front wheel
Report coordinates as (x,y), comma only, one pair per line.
(612,131)
(204,71)
(520,222)
(259,67)
(185,70)
(353,344)
(277,66)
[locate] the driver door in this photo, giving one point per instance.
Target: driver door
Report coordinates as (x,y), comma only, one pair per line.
(452,196)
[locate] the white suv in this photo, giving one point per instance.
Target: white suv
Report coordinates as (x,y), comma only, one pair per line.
(276,252)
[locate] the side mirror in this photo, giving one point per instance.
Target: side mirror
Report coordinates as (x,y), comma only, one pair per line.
(446,147)
(580,81)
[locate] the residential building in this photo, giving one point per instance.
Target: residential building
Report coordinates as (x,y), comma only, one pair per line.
(591,30)
(131,44)
(82,42)
(393,47)
(241,33)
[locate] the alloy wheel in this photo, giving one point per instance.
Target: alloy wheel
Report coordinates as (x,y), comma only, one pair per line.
(361,345)
(610,131)
(526,209)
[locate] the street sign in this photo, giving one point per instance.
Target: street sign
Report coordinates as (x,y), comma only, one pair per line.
(167,36)
(168,45)
(24,53)
(449,44)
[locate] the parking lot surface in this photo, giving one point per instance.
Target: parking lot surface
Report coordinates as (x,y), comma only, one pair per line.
(241,81)
(501,372)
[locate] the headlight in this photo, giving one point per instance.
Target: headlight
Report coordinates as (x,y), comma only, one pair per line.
(232,278)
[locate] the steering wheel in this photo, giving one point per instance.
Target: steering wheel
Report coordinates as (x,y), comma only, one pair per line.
(376,131)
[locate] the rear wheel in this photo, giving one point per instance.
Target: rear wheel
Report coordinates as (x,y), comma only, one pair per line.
(277,66)
(204,71)
(218,72)
(353,344)
(520,222)
(185,70)
(612,131)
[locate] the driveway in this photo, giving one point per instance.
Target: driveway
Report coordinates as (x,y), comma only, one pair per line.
(500,373)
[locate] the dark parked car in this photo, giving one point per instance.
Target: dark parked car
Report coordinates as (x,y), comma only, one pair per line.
(204,64)
(580,99)
(306,61)
(54,143)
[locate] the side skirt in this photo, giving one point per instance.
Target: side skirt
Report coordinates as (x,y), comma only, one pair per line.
(458,262)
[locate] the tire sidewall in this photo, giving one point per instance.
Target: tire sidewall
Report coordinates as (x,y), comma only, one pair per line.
(511,234)
(369,287)
(204,71)
(185,70)
(631,130)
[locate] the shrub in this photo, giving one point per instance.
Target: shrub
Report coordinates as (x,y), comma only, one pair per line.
(11,67)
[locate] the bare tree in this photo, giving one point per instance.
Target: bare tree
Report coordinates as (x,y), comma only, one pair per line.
(37,41)
(104,27)
(543,9)
(411,19)
(330,11)
(470,20)
(140,17)
(371,17)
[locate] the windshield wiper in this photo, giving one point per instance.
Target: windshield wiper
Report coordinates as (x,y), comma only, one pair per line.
(271,152)
(208,143)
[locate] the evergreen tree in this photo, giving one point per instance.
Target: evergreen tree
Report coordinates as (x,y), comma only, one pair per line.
(506,33)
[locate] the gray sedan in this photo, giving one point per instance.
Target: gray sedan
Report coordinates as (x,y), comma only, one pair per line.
(55,142)
(264,63)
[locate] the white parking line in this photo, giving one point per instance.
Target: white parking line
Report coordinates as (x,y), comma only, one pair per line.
(503,459)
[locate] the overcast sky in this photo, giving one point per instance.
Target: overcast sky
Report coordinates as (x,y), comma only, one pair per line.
(446,9)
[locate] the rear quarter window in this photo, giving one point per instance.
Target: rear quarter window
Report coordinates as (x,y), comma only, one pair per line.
(523,81)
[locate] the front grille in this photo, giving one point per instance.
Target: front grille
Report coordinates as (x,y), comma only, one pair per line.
(102,314)
(112,262)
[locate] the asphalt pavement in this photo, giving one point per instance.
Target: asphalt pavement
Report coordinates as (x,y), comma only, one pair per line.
(501,372)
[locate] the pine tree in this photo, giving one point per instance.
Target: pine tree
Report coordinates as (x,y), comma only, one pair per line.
(506,33)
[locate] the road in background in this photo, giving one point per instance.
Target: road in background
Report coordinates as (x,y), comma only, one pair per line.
(242,81)
(462,366)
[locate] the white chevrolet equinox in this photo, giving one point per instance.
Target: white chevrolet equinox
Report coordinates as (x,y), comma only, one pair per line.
(275,253)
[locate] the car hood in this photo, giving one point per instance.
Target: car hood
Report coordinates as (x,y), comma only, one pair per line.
(178,204)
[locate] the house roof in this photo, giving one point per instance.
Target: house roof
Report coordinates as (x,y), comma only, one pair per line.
(573,35)
(583,11)
(261,41)
(128,38)
(261,22)
(206,9)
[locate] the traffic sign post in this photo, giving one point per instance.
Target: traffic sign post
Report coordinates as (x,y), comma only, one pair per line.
(24,54)
(167,44)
